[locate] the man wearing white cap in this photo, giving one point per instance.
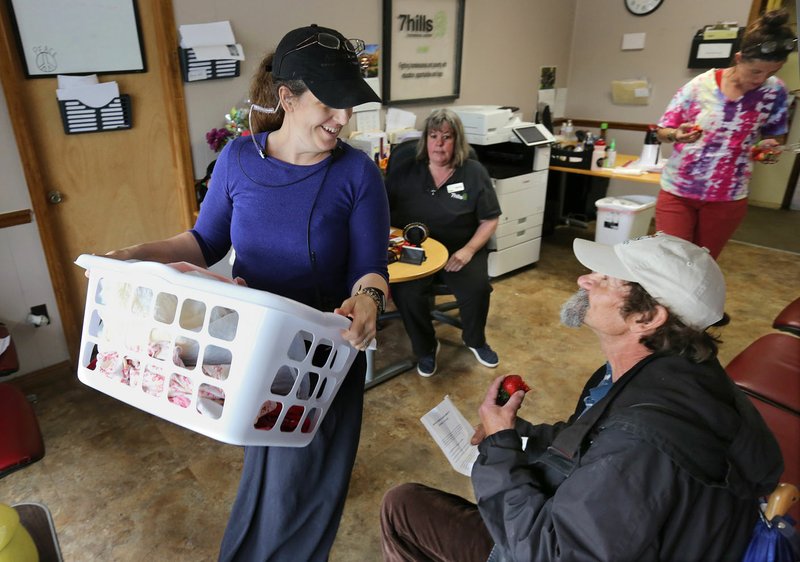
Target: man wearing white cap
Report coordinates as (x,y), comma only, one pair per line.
(663,458)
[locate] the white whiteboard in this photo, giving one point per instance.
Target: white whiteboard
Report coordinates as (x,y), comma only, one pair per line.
(78,36)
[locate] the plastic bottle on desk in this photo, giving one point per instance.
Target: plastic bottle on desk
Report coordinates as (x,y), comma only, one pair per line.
(611,155)
(567,131)
(604,131)
(598,154)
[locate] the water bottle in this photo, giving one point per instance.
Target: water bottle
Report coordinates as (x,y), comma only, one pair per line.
(567,131)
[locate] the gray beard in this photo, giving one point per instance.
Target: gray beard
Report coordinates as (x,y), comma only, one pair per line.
(574,310)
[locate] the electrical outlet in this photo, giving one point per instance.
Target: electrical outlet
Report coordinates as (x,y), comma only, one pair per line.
(40,310)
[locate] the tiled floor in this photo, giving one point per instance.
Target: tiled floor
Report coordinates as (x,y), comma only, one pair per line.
(123,485)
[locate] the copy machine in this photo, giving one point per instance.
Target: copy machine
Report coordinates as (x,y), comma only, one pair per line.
(516,155)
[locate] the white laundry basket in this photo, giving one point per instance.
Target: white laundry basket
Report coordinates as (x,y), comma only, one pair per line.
(623,218)
(239,365)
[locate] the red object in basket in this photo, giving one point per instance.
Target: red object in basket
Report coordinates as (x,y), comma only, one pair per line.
(268,420)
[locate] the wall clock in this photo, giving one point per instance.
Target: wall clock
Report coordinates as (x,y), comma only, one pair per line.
(642,7)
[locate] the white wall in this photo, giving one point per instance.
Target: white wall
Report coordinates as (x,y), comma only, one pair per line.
(24,279)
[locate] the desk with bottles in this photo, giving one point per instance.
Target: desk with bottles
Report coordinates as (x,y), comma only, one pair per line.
(623,161)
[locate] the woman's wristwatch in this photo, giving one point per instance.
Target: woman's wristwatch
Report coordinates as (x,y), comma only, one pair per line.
(671,136)
(376,295)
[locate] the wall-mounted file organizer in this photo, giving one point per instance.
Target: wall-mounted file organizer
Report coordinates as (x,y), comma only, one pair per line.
(714,52)
(78,117)
(194,70)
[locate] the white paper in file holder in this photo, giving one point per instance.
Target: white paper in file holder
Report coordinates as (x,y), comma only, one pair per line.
(78,117)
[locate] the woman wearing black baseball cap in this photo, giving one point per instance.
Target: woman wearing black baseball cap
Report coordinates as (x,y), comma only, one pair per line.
(308,219)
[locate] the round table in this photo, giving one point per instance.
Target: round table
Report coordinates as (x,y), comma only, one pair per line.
(436,257)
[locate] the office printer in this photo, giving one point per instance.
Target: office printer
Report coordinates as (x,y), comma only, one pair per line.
(492,125)
(485,124)
(517,156)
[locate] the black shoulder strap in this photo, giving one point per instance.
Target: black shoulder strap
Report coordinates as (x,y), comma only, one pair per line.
(564,452)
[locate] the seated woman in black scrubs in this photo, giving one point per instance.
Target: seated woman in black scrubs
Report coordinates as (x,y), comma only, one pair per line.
(453,196)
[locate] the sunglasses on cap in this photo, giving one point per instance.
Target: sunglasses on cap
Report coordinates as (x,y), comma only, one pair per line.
(769,47)
(330,42)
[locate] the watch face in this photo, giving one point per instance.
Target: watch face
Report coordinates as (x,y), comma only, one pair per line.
(642,7)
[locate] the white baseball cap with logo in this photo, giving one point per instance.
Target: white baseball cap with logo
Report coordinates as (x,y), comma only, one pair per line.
(679,275)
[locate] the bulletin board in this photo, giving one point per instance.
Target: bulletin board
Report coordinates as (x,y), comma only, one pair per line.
(85,37)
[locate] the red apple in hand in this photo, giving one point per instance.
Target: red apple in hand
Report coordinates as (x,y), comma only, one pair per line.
(509,386)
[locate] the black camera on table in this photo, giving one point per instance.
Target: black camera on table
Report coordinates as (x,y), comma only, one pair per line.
(414,234)
(410,249)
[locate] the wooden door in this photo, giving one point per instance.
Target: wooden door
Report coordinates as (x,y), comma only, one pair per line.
(118,187)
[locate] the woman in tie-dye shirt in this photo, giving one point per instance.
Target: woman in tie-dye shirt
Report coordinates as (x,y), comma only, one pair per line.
(714,121)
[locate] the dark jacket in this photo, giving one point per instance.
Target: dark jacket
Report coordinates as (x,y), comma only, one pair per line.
(671,470)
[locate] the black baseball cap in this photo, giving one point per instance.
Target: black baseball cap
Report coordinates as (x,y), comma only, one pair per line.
(332,74)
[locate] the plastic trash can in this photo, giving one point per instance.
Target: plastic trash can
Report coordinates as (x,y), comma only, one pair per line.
(623,218)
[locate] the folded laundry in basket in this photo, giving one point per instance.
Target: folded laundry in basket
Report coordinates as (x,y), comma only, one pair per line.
(126,370)
(127,321)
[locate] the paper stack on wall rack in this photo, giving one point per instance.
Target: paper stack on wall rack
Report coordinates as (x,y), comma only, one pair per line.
(630,92)
(721,30)
(88,106)
(209,51)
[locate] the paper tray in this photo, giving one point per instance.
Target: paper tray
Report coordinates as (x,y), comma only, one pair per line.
(78,117)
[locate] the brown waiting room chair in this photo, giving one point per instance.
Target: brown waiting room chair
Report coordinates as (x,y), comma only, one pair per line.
(768,371)
(21,445)
(788,320)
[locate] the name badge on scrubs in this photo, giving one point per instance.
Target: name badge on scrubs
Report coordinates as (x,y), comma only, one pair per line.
(455,187)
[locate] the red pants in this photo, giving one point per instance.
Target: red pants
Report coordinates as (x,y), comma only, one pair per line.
(709,224)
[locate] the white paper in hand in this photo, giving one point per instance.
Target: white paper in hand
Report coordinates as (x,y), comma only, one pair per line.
(452,432)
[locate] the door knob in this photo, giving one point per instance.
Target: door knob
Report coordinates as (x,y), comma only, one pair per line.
(55,197)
